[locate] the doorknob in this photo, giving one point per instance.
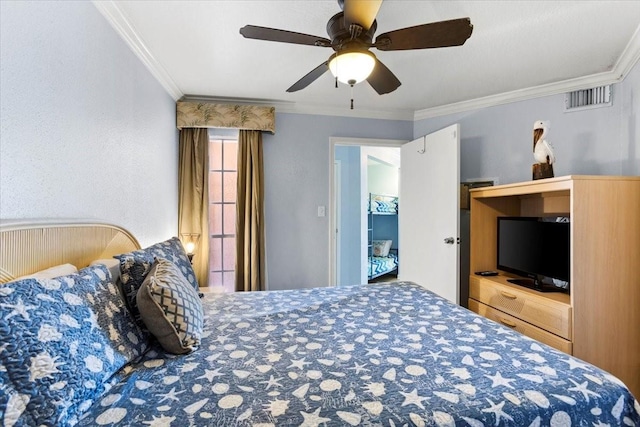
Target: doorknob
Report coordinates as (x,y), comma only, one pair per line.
(449,240)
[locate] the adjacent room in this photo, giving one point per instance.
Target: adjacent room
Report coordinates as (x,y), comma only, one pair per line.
(327,213)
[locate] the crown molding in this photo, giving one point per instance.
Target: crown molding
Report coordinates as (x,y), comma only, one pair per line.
(519,95)
(232,100)
(120,23)
(629,57)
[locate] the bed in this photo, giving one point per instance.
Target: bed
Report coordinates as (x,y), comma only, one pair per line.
(383,235)
(390,354)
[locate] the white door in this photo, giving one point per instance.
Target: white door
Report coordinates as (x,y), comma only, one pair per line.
(429,219)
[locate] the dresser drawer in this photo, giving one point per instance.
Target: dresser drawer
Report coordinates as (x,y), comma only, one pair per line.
(548,311)
(520,326)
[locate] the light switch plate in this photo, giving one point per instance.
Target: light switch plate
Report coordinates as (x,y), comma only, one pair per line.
(321,211)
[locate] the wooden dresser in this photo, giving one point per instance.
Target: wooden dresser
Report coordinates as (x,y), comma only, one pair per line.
(599,321)
(545,317)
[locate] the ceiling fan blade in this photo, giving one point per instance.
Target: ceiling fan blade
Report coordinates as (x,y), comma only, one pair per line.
(275,35)
(437,34)
(361,12)
(382,80)
(310,77)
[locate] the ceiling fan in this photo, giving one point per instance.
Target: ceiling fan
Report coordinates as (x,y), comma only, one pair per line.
(351,36)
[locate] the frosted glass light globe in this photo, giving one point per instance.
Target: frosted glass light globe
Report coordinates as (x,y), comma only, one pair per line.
(352,67)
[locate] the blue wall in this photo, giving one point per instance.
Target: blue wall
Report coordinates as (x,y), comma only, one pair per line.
(87,131)
(296,165)
(497,141)
(385,227)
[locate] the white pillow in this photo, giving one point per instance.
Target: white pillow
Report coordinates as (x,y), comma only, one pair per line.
(51,272)
(381,247)
(112,264)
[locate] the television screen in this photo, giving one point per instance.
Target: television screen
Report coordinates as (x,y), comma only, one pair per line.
(534,247)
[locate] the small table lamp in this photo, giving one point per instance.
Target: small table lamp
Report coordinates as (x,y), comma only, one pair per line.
(190,242)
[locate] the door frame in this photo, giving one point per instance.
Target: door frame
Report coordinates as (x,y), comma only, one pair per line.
(336,207)
(333,141)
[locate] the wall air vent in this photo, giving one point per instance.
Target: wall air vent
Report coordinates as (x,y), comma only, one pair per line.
(588,98)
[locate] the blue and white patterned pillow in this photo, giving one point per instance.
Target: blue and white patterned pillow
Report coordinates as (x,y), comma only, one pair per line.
(134,267)
(61,340)
(171,308)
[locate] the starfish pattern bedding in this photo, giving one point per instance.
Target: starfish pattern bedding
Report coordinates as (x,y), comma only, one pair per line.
(385,354)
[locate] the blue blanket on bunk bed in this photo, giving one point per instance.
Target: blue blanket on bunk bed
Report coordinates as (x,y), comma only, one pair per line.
(379,265)
(384,206)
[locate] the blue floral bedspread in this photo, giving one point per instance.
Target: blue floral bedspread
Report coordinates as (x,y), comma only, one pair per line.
(384,354)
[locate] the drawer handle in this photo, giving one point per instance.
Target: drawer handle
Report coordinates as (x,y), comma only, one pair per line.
(508,295)
(508,323)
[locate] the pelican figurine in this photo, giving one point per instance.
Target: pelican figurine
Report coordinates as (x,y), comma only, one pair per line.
(542,150)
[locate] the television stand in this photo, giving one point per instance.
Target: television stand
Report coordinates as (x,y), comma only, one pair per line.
(601,312)
(536,285)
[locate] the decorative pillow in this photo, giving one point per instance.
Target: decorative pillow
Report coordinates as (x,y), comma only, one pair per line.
(381,247)
(170,308)
(134,267)
(62,339)
(51,272)
(112,264)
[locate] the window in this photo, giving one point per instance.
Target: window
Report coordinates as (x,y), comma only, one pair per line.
(223,154)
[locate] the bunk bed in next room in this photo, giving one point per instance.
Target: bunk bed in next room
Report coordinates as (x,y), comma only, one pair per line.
(382,235)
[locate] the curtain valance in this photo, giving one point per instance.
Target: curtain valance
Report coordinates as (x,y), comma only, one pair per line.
(206,115)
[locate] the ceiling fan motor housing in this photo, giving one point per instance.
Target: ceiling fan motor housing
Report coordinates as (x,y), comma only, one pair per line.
(339,34)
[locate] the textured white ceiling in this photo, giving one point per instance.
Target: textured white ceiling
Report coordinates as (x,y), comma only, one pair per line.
(515,45)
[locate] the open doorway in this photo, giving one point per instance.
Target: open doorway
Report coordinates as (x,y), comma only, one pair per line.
(365,167)
(383,178)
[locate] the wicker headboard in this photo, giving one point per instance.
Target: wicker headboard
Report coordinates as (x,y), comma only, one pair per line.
(27,246)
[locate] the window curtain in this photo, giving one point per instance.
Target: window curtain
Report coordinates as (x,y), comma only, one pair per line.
(193,195)
(250,242)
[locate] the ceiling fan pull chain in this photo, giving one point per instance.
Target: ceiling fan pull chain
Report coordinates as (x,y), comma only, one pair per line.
(337,65)
(352,97)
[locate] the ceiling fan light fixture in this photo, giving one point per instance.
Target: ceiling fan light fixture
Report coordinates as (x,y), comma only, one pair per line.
(352,67)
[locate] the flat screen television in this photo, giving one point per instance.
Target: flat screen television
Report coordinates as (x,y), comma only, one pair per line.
(536,248)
